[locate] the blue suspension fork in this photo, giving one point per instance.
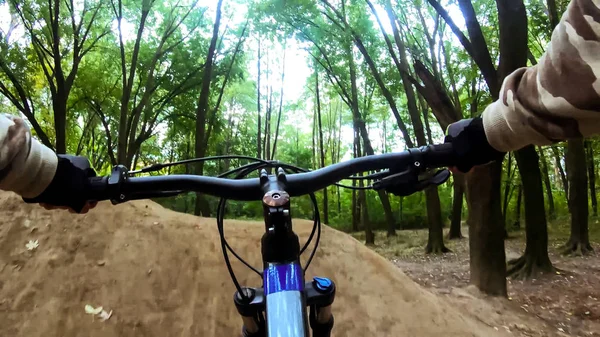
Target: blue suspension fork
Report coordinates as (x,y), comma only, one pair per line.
(284,300)
(285,294)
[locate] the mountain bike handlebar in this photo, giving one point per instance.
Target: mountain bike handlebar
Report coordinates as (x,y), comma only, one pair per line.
(285,293)
(119,187)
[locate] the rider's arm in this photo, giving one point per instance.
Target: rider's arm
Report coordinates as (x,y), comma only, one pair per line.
(26,166)
(559,98)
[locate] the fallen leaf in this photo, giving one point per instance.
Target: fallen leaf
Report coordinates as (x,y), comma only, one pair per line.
(91,310)
(104,316)
(31,245)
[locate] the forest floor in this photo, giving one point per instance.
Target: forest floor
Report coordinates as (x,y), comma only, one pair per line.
(568,300)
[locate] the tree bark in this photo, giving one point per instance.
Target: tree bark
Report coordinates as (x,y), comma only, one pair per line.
(548,185)
(486,231)
(579,243)
(561,171)
(280,106)
(202,207)
(457,205)
(507,185)
(321,147)
(535,260)
(591,176)
(552,13)
(355,200)
(362,202)
(435,240)
(517,223)
(259,123)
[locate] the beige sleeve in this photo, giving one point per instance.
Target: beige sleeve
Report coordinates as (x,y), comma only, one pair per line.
(559,98)
(26,166)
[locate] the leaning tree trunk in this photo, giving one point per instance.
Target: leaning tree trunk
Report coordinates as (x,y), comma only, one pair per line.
(535,260)
(457,205)
(321,146)
(579,243)
(486,232)
(202,207)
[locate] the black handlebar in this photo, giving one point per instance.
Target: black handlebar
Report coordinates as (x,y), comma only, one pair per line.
(118,187)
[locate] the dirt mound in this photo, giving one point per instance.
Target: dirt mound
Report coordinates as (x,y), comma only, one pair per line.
(162,274)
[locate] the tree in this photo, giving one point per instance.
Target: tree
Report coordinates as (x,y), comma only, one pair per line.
(589,153)
(435,242)
(61,36)
(579,242)
(535,260)
(141,106)
(548,185)
(202,110)
(321,147)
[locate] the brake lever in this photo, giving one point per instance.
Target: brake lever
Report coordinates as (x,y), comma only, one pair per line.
(408,181)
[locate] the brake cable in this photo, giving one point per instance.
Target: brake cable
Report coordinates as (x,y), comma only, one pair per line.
(242,172)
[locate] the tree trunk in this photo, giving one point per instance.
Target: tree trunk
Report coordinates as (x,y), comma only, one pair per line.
(434,216)
(561,171)
(355,200)
(202,207)
(362,201)
(552,13)
(364,219)
(59,105)
(354,209)
(579,243)
(321,147)
(457,205)
(360,127)
(267,140)
(591,176)
(517,223)
(535,260)
(259,122)
(280,106)
(486,231)
(508,183)
(435,241)
(548,185)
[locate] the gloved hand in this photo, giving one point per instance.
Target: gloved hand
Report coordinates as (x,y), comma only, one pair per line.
(470,144)
(68,187)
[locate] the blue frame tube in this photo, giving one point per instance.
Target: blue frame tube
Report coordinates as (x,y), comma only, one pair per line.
(285,304)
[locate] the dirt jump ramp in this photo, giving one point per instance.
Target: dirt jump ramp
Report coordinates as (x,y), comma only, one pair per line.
(162,274)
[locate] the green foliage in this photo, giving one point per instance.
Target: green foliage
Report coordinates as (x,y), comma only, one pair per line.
(159,112)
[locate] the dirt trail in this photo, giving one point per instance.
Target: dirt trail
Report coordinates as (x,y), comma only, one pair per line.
(162,274)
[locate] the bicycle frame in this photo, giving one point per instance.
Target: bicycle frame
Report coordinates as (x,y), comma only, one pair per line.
(285,294)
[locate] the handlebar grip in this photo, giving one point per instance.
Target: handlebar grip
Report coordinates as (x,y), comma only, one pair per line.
(440,155)
(97,189)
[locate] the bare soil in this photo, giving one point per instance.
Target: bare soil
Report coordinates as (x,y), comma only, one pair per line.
(567,302)
(162,274)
